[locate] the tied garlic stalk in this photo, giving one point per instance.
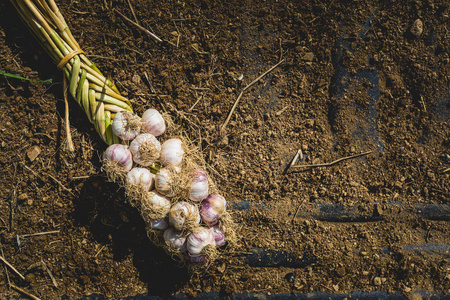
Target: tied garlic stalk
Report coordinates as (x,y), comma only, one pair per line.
(126,125)
(184,216)
(200,243)
(212,209)
(117,161)
(145,149)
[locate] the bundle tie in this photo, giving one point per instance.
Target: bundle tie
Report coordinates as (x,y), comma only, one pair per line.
(68,57)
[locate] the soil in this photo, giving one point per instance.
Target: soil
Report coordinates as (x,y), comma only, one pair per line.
(354,78)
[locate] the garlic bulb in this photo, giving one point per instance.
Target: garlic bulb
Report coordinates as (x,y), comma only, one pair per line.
(183,216)
(197,258)
(199,187)
(219,236)
(153,122)
(154,206)
(160,224)
(164,181)
(141,177)
(199,239)
(172,152)
(126,125)
(174,239)
(120,155)
(213,208)
(145,149)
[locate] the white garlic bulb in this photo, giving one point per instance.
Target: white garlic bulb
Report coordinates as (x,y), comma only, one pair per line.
(199,186)
(172,152)
(219,236)
(153,122)
(141,177)
(184,216)
(126,125)
(164,181)
(199,239)
(174,239)
(154,206)
(119,155)
(160,224)
(145,149)
(212,209)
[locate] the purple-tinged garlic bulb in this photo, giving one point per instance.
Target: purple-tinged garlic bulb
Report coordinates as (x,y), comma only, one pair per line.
(172,152)
(184,216)
(145,149)
(219,235)
(153,122)
(199,186)
(154,206)
(141,177)
(175,239)
(196,259)
(126,125)
(198,240)
(120,156)
(212,209)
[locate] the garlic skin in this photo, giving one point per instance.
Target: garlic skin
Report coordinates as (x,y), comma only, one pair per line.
(126,125)
(164,181)
(212,209)
(184,215)
(174,239)
(199,239)
(141,177)
(154,205)
(120,155)
(145,149)
(172,152)
(153,122)
(196,259)
(219,235)
(199,187)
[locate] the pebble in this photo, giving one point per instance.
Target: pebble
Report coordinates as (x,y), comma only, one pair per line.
(309,56)
(417,28)
(340,271)
(33,152)
(377,281)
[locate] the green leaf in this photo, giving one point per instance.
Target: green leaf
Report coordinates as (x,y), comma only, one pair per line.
(40,82)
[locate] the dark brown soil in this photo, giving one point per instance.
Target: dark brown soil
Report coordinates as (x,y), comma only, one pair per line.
(354,79)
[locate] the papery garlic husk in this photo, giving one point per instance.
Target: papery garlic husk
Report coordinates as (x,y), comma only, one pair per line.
(165,181)
(126,125)
(117,161)
(138,181)
(201,242)
(172,152)
(199,188)
(154,206)
(153,122)
(145,149)
(175,240)
(219,235)
(212,209)
(184,216)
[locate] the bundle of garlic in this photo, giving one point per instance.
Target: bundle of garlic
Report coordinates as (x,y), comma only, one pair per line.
(176,198)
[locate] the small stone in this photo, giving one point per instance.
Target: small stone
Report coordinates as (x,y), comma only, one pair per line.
(377,281)
(33,152)
(336,287)
(363,253)
(340,271)
(23,197)
(136,79)
(30,202)
(407,289)
(309,56)
(417,28)
(365,273)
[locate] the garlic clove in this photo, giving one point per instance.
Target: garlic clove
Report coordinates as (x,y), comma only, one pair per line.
(172,152)
(174,239)
(126,125)
(153,122)
(212,209)
(199,186)
(184,216)
(120,155)
(199,239)
(141,177)
(145,149)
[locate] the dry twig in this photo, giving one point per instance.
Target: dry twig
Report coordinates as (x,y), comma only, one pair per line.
(146,31)
(70,146)
(246,88)
(11,267)
(333,162)
(20,290)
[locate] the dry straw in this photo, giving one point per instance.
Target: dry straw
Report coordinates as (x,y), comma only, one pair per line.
(96,95)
